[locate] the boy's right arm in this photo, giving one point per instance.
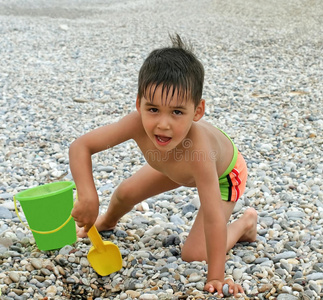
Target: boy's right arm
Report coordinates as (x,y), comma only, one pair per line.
(86,208)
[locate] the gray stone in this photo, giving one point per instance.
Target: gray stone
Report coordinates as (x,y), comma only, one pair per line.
(130,284)
(268,221)
(6,196)
(105,169)
(286,297)
(66,250)
(225,290)
(121,233)
(170,240)
(284,255)
(188,208)
(295,215)
(315,276)
(177,220)
(14,276)
(249,258)
(315,287)
(237,274)
(5,213)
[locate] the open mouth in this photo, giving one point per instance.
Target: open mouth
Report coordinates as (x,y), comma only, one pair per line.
(162,140)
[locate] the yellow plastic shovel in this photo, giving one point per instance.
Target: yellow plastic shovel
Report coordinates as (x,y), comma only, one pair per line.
(104,256)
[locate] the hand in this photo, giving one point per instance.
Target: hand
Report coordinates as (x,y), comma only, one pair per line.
(215,285)
(85,212)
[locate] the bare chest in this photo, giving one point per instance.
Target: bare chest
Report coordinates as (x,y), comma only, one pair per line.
(174,164)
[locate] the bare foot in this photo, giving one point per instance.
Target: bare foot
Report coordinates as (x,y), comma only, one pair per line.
(250,217)
(99,224)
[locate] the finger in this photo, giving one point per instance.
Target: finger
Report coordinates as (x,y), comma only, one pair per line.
(241,290)
(87,227)
(74,213)
(79,224)
(218,287)
(233,290)
(230,284)
(237,289)
(214,286)
(209,287)
(232,287)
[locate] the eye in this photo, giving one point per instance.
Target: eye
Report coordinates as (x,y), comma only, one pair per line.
(177,112)
(153,109)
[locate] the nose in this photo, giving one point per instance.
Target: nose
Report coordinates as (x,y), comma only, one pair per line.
(163,123)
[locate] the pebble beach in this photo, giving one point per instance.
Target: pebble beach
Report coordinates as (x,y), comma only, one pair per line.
(67,67)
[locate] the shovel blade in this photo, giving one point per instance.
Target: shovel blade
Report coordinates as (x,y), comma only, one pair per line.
(106,261)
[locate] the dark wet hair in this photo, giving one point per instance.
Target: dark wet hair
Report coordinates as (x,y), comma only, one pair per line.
(176,69)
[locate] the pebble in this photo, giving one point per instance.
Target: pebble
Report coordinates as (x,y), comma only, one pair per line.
(133,294)
(265,287)
(286,297)
(63,73)
(315,276)
(5,213)
(51,291)
(84,262)
(225,290)
(194,277)
(148,297)
(36,263)
(284,255)
(14,276)
(237,274)
(66,250)
(248,259)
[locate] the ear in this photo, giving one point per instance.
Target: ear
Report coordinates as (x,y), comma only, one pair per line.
(199,111)
(138,104)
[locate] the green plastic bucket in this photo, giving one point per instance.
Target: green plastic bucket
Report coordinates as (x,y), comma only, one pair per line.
(48,212)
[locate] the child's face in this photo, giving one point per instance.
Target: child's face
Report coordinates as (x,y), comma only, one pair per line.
(166,122)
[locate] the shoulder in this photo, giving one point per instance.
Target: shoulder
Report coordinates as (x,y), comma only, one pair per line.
(128,127)
(132,117)
(131,121)
(204,135)
(211,135)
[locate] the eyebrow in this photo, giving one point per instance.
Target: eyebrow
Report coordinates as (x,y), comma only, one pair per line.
(149,104)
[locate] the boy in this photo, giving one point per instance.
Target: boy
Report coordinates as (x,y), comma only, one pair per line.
(180,150)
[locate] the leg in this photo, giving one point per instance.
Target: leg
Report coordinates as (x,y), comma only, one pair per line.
(147,182)
(243,229)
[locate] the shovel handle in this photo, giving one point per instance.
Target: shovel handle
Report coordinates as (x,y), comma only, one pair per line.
(95,238)
(94,235)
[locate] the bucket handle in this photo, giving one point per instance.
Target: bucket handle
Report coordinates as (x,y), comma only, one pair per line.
(37,231)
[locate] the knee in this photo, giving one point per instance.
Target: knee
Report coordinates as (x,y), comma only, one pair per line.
(186,255)
(125,193)
(189,254)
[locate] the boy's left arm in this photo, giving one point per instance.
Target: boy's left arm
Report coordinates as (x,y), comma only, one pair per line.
(215,227)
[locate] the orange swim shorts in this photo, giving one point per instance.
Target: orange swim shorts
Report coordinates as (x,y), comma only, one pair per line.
(233,184)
